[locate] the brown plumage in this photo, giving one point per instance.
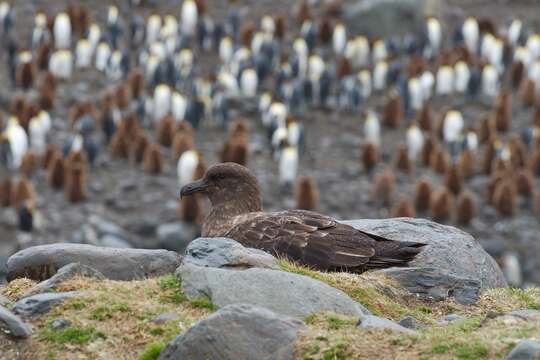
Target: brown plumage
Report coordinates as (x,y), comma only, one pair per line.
(466,208)
(236,151)
(383,188)
(401,160)
(246,33)
(516,73)
(304,12)
(153,159)
(518,152)
(534,162)
(525,183)
(504,198)
(6,186)
(466,164)
(50,151)
(369,155)
(487,157)
(312,239)
(441,205)
(494,181)
(527,92)
(43,55)
(136,82)
(403,208)
(46,98)
(165,131)
(453,179)
(75,183)
(332,8)
(132,126)
(29,163)
(55,171)
(119,145)
(306,193)
(428,147)
(185,128)
(439,160)
(123,96)
(325,30)
(190,209)
(422,196)
(425,118)
(281,26)
(141,143)
(486,129)
(393,111)
(182,142)
(201,168)
(536,115)
(23,190)
(502,111)
(25,75)
(344,68)
(202,7)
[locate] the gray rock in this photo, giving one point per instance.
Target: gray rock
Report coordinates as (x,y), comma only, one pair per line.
(525,350)
(279,291)
(4,301)
(372,321)
(41,262)
(383,18)
(432,284)
(449,318)
(449,249)
(526,314)
(14,324)
(60,324)
(410,323)
(163,318)
(41,303)
(237,332)
(64,273)
(114,241)
(177,236)
(227,253)
(105,227)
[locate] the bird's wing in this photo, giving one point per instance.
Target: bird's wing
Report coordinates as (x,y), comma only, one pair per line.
(308,237)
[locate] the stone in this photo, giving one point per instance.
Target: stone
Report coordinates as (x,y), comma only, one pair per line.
(41,303)
(384,18)
(525,350)
(227,253)
(449,249)
(114,241)
(526,314)
(41,262)
(165,317)
(64,273)
(376,322)
(410,323)
(449,318)
(4,301)
(16,327)
(176,236)
(105,227)
(433,284)
(60,324)
(237,332)
(282,292)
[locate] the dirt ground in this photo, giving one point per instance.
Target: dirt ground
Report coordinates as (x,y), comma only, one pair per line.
(122,193)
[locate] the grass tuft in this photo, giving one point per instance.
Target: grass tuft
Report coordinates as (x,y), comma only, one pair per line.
(152,351)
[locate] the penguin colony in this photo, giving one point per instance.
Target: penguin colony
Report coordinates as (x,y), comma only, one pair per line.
(159,97)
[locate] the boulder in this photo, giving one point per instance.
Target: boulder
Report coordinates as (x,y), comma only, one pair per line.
(16,327)
(410,323)
(114,241)
(227,253)
(165,317)
(433,284)
(41,303)
(285,293)
(449,318)
(384,18)
(449,249)
(64,273)
(525,314)
(237,332)
(177,236)
(41,262)
(376,322)
(525,350)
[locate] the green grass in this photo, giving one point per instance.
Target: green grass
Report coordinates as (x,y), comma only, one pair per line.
(526,297)
(152,351)
(473,351)
(71,335)
(335,322)
(203,303)
(172,289)
(336,352)
(105,312)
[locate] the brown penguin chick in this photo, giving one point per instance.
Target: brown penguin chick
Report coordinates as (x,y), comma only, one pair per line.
(182,142)
(75,183)
(332,8)
(43,55)
(503,111)
(425,118)
(281,26)
(504,198)
(422,195)
(383,188)
(487,157)
(306,193)
(123,96)
(47,80)
(325,30)
(369,155)
(56,171)
(527,92)
(141,143)
(439,160)
(77,158)
(120,144)
(466,208)
(466,164)
(486,129)
(428,147)
(18,105)
(525,183)
(29,163)
(344,68)
(495,179)
(239,127)
(201,168)
(310,238)
(153,159)
(25,75)
(304,12)
(136,82)
(518,152)
(401,160)
(441,205)
(132,126)
(190,209)
(46,98)
(165,131)
(536,115)
(393,111)
(403,208)
(534,162)
(516,73)
(6,186)
(23,190)
(50,151)
(185,128)
(202,7)
(236,151)
(246,33)
(453,179)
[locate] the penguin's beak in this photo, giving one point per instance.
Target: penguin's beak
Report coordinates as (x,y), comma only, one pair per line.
(192,188)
